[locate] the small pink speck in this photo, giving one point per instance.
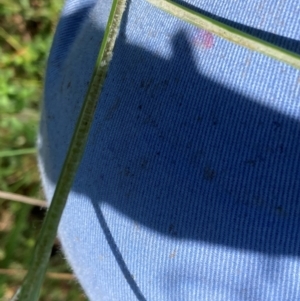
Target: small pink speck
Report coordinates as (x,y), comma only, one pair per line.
(204,39)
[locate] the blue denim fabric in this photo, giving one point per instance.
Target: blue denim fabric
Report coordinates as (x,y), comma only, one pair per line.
(190,183)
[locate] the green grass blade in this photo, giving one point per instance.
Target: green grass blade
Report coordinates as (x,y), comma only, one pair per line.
(17,152)
(32,283)
(227,32)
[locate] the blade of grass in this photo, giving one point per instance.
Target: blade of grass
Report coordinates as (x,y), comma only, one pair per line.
(227,32)
(10,40)
(21,273)
(31,286)
(23,199)
(17,152)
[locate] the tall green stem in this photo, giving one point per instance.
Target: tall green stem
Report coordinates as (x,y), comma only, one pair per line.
(227,32)
(31,286)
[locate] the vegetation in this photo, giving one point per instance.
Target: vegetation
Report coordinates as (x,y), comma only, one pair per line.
(26,31)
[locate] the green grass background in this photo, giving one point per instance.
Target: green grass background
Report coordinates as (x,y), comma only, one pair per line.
(26,32)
